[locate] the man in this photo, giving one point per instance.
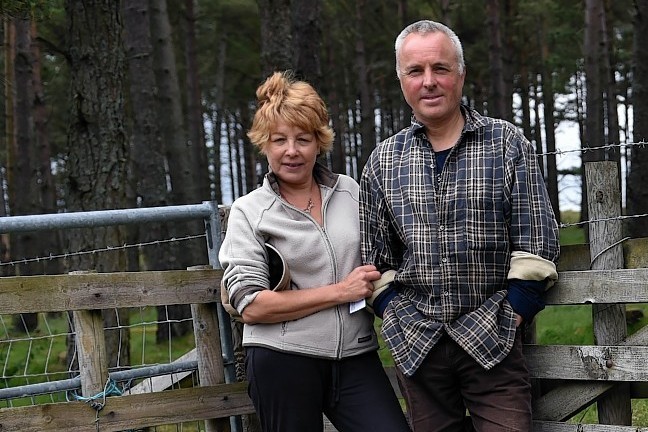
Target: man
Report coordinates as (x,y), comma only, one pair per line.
(456,207)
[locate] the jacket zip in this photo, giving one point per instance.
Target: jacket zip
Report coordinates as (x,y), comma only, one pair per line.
(331,252)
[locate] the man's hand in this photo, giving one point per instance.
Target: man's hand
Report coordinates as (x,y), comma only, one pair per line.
(518,320)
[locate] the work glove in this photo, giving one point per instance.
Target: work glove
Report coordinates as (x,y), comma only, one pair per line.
(383,292)
(279,272)
(279,279)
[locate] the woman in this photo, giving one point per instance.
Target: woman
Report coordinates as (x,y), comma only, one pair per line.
(307,354)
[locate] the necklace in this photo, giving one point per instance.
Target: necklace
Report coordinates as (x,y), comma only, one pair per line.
(310,205)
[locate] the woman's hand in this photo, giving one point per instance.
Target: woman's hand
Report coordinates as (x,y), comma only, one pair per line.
(358,284)
(276,306)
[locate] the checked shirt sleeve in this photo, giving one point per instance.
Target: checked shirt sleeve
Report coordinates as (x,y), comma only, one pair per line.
(377,239)
(534,232)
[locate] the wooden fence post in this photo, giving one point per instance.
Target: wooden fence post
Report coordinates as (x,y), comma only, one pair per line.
(209,352)
(606,252)
(91,349)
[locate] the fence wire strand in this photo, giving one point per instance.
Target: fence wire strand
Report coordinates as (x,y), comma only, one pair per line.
(99,250)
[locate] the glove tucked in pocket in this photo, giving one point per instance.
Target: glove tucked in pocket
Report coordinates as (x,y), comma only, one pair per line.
(279,279)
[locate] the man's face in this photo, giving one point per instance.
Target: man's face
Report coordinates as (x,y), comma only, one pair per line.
(430,78)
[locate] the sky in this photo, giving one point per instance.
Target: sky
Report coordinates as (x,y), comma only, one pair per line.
(568,141)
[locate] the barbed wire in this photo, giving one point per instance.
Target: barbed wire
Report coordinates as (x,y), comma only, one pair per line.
(104,249)
(583,150)
(563,225)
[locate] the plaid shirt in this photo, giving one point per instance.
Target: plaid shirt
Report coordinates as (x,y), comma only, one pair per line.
(450,236)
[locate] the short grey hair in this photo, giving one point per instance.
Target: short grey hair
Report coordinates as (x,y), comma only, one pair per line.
(428,26)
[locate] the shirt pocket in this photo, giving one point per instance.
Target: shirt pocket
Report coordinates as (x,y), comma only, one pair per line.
(485,227)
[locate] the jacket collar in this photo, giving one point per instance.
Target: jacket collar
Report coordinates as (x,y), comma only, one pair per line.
(323,176)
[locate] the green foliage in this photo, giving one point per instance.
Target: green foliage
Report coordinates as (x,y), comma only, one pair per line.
(565,325)
(37,9)
(572,235)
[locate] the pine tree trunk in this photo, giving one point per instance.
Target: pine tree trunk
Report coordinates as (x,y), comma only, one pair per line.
(594,123)
(638,178)
(366,107)
(147,147)
(24,190)
(51,244)
(9,41)
(497,103)
(196,129)
(276,36)
(179,150)
(97,145)
(307,41)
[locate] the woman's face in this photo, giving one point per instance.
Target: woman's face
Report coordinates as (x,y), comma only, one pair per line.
(292,153)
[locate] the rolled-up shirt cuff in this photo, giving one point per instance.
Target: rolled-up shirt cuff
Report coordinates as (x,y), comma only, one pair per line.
(529,267)
(383,299)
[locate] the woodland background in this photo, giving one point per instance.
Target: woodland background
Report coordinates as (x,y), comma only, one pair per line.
(111,104)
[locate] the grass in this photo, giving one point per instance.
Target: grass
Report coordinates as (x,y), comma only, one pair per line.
(574,234)
(42,355)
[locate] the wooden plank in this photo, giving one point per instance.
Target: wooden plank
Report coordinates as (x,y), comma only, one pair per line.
(562,403)
(208,347)
(164,382)
(542,426)
(132,411)
(328,426)
(539,426)
(569,398)
(640,337)
(60,293)
(587,362)
(600,286)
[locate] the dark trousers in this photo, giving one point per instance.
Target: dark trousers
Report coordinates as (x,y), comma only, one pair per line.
(291,392)
(450,381)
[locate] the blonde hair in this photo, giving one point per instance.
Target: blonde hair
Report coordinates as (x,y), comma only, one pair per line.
(283,98)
